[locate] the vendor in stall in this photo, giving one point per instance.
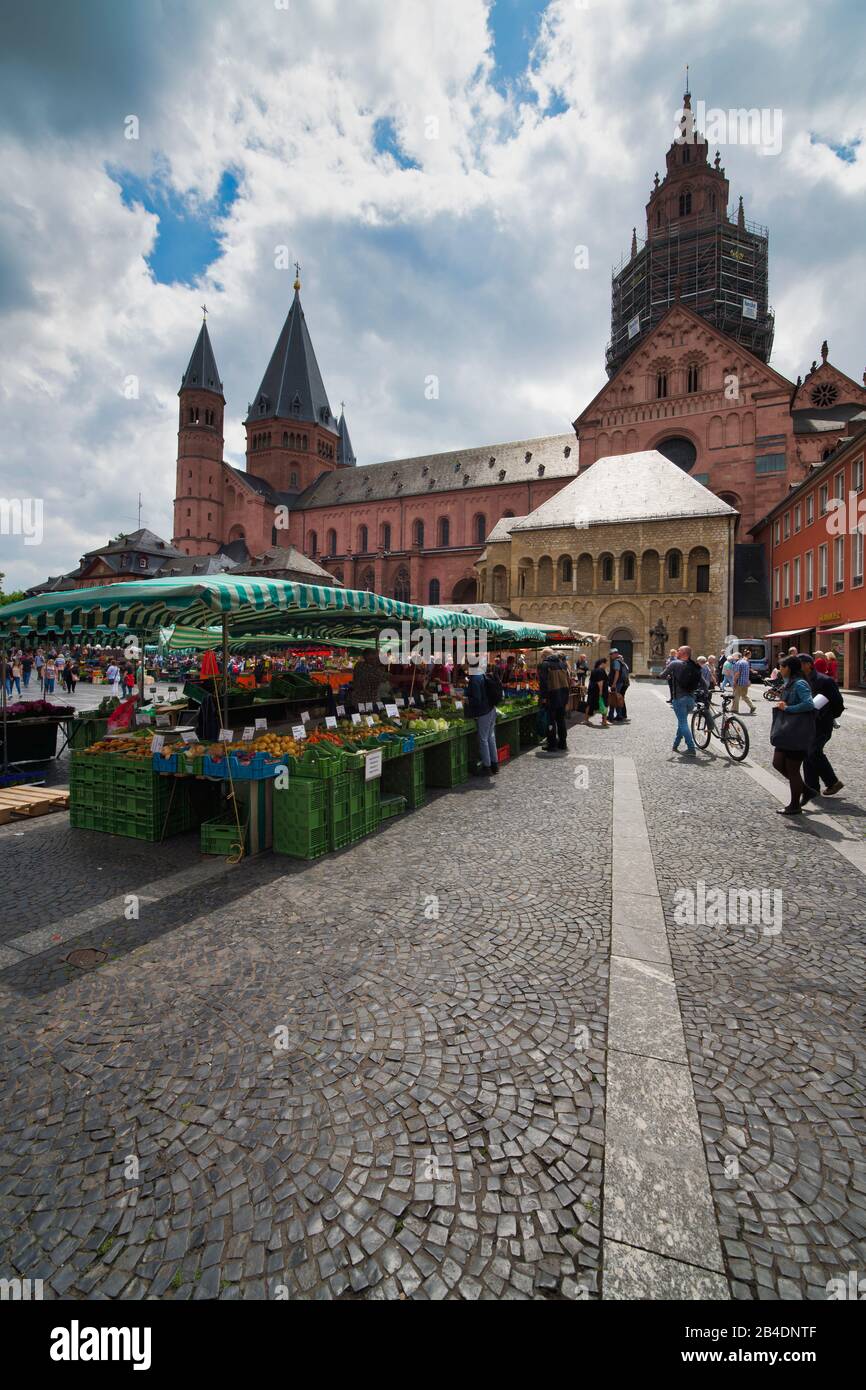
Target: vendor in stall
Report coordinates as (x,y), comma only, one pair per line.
(370,680)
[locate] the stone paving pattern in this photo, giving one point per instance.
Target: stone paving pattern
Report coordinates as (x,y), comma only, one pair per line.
(330,1091)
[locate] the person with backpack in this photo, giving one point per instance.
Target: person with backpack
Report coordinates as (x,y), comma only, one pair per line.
(792,733)
(553,692)
(816,765)
(483,693)
(684,678)
(619,683)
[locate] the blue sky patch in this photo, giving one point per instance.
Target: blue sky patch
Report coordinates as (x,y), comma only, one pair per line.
(385,142)
(515,25)
(187,241)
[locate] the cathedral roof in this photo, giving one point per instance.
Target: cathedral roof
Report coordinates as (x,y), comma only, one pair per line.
(292,387)
(487,465)
(345,452)
(202,371)
(643,486)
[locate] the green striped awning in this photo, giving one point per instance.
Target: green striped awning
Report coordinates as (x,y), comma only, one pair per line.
(250,605)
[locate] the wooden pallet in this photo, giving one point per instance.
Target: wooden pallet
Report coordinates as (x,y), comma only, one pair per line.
(16,802)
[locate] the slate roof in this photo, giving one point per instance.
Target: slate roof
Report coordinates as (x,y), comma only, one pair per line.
(292,386)
(643,486)
(345,452)
(202,368)
(198,564)
(288,558)
(486,465)
(503,528)
(835,420)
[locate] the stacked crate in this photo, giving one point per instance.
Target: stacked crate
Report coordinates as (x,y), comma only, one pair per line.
(126,797)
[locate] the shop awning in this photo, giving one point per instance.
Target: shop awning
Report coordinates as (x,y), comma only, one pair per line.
(792,632)
(845,627)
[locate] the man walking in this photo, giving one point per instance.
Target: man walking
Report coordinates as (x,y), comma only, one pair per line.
(816,764)
(619,683)
(742,674)
(684,677)
(553,690)
(483,693)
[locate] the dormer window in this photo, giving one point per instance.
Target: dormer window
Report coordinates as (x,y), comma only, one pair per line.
(491,461)
(567,451)
(424,471)
(541,470)
(502,475)
(528,456)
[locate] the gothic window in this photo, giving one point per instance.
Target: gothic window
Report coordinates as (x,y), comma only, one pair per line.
(368,579)
(296,406)
(312,544)
(433,591)
(386,535)
(444,531)
(332,542)
(480,528)
(305,445)
(401,586)
(418,532)
(363,540)
(824,394)
(694,377)
(285,439)
(293,478)
(274,540)
(685,204)
(658,217)
(661,385)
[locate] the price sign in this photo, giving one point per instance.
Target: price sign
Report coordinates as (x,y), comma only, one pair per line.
(157,743)
(189,735)
(458,704)
(142,721)
(261,723)
(249,733)
(391,711)
(305,716)
(299,731)
(373,765)
(371,721)
(330,722)
(437,702)
(341,711)
(356,718)
(226,736)
(163,721)
(400,700)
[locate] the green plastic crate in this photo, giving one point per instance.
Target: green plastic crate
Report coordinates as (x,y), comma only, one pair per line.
(220,836)
(390,806)
(301,818)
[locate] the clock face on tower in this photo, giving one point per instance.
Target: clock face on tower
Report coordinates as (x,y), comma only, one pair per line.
(824,394)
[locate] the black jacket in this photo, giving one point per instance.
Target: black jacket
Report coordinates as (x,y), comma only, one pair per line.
(553,683)
(825,685)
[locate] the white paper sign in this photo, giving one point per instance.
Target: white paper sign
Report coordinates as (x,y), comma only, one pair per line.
(437,702)
(400,700)
(373,765)
(261,723)
(305,716)
(341,711)
(391,711)
(227,736)
(156,743)
(299,731)
(189,735)
(458,704)
(248,734)
(371,721)
(330,722)
(356,718)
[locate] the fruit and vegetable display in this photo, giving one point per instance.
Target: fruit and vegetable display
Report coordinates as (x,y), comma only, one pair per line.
(38,709)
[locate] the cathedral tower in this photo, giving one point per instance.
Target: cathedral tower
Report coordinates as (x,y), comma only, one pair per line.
(715,264)
(198,507)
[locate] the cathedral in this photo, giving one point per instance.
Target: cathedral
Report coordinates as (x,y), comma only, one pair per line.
(688,374)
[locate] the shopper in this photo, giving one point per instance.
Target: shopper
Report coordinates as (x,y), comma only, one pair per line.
(14,675)
(112,676)
(706,672)
(742,674)
(553,691)
(619,683)
(816,765)
(793,731)
(483,693)
(70,675)
(26,667)
(597,693)
(832,665)
(49,671)
(714,671)
(684,678)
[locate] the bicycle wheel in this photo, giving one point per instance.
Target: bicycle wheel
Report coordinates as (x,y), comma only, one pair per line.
(735,737)
(701,730)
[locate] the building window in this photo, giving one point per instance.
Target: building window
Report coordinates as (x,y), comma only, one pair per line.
(685,198)
(661,385)
(386,535)
(777,587)
(566,570)
(777,533)
(797,579)
(628,567)
(674,568)
(418,533)
(857,475)
(810,509)
(839,487)
(857,540)
(480,528)
(363,541)
(787,524)
(703,579)
(607,569)
(332,542)
(823,499)
(312,543)
(838,564)
(433,591)
(694,376)
(285,439)
(401,586)
(797,517)
(810,574)
(786,583)
(770,463)
(293,479)
(444,531)
(823,559)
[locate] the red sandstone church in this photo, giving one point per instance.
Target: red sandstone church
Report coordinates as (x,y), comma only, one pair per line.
(689,375)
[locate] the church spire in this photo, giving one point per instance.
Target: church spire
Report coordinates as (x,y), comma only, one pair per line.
(292,386)
(345,452)
(201,373)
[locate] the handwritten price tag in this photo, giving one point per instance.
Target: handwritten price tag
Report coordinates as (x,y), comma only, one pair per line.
(157,743)
(373,765)
(356,718)
(261,723)
(226,736)
(305,717)
(299,731)
(249,733)
(341,711)
(391,711)
(371,721)
(330,722)
(189,735)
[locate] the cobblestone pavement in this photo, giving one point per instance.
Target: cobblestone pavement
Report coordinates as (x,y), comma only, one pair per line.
(382,1075)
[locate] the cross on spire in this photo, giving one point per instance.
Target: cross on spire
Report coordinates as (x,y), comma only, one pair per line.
(204,313)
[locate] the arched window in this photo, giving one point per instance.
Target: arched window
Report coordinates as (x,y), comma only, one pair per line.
(386,535)
(368,579)
(480,528)
(312,543)
(433,591)
(674,564)
(566,570)
(607,569)
(444,531)
(661,385)
(285,439)
(694,379)
(293,479)
(418,532)
(628,566)
(363,540)
(332,542)
(685,204)
(401,585)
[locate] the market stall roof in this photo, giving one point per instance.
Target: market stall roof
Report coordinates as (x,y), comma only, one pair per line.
(250,605)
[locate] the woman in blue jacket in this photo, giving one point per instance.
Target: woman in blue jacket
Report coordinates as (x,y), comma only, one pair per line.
(796,700)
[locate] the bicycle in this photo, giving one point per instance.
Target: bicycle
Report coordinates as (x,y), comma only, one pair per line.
(732,732)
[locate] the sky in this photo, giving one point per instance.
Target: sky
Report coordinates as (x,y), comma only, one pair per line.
(434,166)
